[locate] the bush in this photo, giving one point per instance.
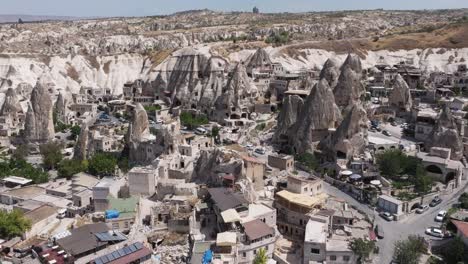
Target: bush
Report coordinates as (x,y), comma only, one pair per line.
(75,132)
(463,200)
(193,121)
(362,248)
(278,39)
(68,168)
(23,169)
(410,250)
(261,127)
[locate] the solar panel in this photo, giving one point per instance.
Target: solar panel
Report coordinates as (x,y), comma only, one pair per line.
(116,255)
(104,259)
(132,247)
(138,245)
(127,250)
(110,257)
(98,261)
(121,252)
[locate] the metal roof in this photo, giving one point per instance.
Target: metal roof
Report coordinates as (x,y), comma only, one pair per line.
(115,255)
(110,236)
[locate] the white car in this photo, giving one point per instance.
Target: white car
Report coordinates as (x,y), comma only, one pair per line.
(422,209)
(440,216)
(434,231)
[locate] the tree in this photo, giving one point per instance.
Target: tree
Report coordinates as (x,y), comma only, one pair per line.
(20,152)
(463,199)
(362,248)
(102,164)
(13,223)
(75,132)
(455,252)
(52,154)
(390,163)
(67,168)
(261,257)
(309,160)
(410,250)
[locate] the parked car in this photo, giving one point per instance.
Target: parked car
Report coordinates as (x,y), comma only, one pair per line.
(372,129)
(200,131)
(387,216)
(260,151)
(422,208)
(379,232)
(385,132)
(394,123)
(249,146)
(436,201)
(435,231)
(440,216)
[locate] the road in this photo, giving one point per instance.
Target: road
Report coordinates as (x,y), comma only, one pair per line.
(414,224)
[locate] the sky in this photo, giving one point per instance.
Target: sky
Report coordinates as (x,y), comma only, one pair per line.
(102,8)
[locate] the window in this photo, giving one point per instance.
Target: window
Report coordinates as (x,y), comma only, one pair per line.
(244,254)
(332,257)
(346,258)
(315,251)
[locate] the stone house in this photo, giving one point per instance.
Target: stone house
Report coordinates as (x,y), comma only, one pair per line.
(142,181)
(281,162)
(254,170)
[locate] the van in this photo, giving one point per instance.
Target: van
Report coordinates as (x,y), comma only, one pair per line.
(200,131)
(61,213)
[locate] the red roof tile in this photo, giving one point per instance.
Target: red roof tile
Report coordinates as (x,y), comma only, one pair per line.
(462,227)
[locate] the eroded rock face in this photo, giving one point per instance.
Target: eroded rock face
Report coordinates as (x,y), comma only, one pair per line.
(61,109)
(39,126)
(349,87)
(140,126)
(330,72)
(292,105)
(236,97)
(81,150)
(400,97)
(259,60)
(445,135)
(318,115)
(210,164)
(11,106)
(350,138)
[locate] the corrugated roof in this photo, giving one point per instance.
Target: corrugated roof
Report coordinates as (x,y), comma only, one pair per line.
(83,239)
(256,229)
(462,227)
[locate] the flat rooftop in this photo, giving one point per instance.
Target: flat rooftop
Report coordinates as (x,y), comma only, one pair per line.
(315,232)
(25,193)
(17,180)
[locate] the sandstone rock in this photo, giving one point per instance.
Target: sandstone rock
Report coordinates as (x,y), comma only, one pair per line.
(330,72)
(259,60)
(292,105)
(349,87)
(39,126)
(11,106)
(318,115)
(61,109)
(140,126)
(210,164)
(445,135)
(236,97)
(400,97)
(81,150)
(350,138)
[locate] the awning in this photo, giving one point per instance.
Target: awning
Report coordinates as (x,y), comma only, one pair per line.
(230,216)
(376,182)
(346,173)
(226,239)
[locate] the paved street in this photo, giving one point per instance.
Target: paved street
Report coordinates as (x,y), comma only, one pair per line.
(414,224)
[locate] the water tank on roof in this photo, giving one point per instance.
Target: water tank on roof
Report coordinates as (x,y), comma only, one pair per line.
(112,214)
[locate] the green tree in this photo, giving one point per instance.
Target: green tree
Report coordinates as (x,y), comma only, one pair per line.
(13,223)
(455,252)
(463,199)
(362,248)
(75,132)
(308,160)
(390,163)
(52,154)
(67,168)
(192,121)
(102,164)
(261,257)
(410,250)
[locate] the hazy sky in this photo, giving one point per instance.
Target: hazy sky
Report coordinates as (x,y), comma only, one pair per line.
(154,7)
